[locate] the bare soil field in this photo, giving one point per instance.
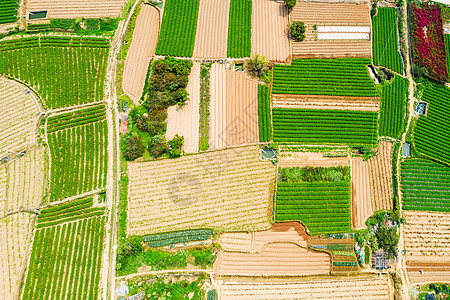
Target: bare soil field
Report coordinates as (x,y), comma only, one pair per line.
(212,29)
(185,120)
(292,232)
(361,287)
(336,14)
(361,200)
(18,115)
(269,30)
(276,259)
(427,245)
(380,175)
(227,190)
(325,102)
(234,108)
(3,190)
(142,48)
(311,159)
(15,234)
(26,179)
(69,9)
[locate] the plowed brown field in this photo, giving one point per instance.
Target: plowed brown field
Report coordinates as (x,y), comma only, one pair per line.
(367,288)
(269,30)
(234,108)
(325,102)
(311,159)
(70,9)
(142,48)
(15,234)
(361,202)
(212,29)
(185,120)
(18,114)
(380,174)
(427,245)
(227,190)
(337,14)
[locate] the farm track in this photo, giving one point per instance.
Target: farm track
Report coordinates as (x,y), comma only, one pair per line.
(67,9)
(310,159)
(269,30)
(361,198)
(380,174)
(185,120)
(143,46)
(212,30)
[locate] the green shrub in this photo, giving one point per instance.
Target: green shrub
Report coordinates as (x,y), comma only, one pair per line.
(297,31)
(132,147)
(257,66)
(290,3)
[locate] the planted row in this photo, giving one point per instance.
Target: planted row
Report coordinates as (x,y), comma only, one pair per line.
(160,240)
(394,99)
(8,11)
(76,118)
(265,127)
(239,29)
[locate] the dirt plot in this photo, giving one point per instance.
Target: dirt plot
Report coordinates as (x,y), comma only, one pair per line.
(3,190)
(336,14)
(227,190)
(325,102)
(275,259)
(361,200)
(185,120)
(361,287)
(269,30)
(380,175)
(234,108)
(311,159)
(142,48)
(15,234)
(18,115)
(212,29)
(69,9)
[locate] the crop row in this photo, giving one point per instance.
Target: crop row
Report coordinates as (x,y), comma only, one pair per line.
(8,11)
(386,50)
(345,263)
(324,126)
(335,77)
(178,29)
(239,29)
(65,261)
(67,206)
(76,118)
(78,160)
(265,127)
(393,107)
(316,212)
(63,76)
(171,238)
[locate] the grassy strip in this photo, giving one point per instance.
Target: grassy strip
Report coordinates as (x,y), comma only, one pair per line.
(122,229)
(205,95)
(240,29)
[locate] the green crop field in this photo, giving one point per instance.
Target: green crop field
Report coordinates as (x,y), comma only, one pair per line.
(313,126)
(240,29)
(425,185)
(66,255)
(176,237)
(265,128)
(386,51)
(323,207)
(65,71)
(179,26)
(394,99)
(8,11)
(432,135)
(78,149)
(335,77)
(447,45)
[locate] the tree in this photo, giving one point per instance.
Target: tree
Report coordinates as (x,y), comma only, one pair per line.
(158,146)
(258,66)
(297,31)
(290,4)
(387,239)
(176,142)
(132,147)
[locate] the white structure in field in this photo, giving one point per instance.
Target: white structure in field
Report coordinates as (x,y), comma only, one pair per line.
(343,32)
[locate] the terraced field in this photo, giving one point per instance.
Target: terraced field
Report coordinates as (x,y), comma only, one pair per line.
(67,9)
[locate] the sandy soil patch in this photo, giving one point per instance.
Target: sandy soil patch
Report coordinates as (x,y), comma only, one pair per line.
(69,9)
(361,200)
(269,30)
(311,159)
(185,120)
(212,29)
(328,14)
(380,174)
(282,259)
(226,190)
(142,48)
(15,234)
(325,102)
(18,115)
(234,108)
(363,287)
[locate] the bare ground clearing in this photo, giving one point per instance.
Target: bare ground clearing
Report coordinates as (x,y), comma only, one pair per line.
(361,202)
(311,159)
(380,175)
(269,30)
(69,9)
(142,48)
(212,29)
(185,120)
